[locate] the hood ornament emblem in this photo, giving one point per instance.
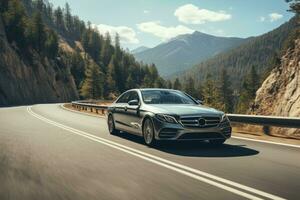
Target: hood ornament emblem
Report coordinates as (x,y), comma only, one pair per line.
(201,121)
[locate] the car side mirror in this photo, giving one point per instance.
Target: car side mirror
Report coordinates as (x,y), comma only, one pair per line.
(200,102)
(133,102)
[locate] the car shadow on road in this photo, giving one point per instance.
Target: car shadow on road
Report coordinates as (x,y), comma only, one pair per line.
(196,148)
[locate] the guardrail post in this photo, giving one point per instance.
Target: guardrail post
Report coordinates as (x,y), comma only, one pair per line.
(266,130)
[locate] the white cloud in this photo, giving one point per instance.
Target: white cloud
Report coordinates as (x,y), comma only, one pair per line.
(163,32)
(191,14)
(146,11)
(262,19)
(127,34)
(275,16)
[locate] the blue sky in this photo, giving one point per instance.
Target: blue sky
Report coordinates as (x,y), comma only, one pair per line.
(150,22)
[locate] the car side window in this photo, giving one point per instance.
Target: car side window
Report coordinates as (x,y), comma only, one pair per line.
(124,98)
(133,96)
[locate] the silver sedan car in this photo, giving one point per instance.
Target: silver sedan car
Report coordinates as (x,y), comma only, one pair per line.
(164,114)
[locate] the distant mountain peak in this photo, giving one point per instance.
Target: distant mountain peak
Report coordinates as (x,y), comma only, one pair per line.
(139,49)
(183,51)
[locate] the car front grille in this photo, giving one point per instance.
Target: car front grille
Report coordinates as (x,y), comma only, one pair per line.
(210,121)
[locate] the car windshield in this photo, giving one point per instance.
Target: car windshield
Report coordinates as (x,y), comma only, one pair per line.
(166,97)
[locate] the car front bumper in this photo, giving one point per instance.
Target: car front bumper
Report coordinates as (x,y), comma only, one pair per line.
(170,131)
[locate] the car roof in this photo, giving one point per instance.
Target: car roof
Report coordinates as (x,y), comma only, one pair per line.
(151,89)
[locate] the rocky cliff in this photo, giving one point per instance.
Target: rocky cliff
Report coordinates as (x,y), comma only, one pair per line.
(279,94)
(25,81)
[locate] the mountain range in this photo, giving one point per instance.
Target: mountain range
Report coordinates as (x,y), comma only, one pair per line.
(184,51)
(260,52)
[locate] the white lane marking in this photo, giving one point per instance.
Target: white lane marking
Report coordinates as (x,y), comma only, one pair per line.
(188,171)
(236,137)
(264,141)
(11,108)
(83,113)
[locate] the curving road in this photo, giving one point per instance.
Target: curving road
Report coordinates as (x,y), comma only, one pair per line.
(47,152)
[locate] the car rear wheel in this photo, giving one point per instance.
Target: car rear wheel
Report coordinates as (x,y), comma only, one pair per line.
(217,142)
(111,125)
(148,132)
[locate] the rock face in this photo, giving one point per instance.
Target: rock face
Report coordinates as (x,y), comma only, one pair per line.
(279,94)
(39,81)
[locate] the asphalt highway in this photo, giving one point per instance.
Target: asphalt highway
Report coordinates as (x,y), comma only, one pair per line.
(47,152)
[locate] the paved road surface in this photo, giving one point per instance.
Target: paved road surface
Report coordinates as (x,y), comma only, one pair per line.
(47,152)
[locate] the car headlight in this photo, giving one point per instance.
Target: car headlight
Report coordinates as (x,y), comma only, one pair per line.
(166,118)
(224,118)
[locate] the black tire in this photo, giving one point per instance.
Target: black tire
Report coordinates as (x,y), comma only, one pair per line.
(111,125)
(148,132)
(217,142)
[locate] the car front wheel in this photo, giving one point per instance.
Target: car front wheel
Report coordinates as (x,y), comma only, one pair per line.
(148,132)
(111,125)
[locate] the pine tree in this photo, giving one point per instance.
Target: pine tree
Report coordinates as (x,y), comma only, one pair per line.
(14,21)
(106,52)
(51,44)
(153,72)
(130,84)
(189,87)
(92,87)
(159,83)
(77,65)
(225,93)
(118,51)
(39,33)
(68,18)
(177,84)
(94,45)
(253,82)
(111,77)
(39,4)
(169,84)
(147,78)
(210,91)
(199,89)
(58,19)
(248,90)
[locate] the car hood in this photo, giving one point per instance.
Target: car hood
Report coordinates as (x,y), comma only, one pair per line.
(185,109)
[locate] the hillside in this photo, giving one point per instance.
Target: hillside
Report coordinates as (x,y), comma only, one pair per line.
(23,82)
(258,52)
(279,94)
(49,55)
(182,52)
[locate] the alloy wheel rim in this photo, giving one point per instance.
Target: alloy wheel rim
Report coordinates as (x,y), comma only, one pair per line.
(148,133)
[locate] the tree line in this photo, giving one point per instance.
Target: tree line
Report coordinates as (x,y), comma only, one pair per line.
(219,93)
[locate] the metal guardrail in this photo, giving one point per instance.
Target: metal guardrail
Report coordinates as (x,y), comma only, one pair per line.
(289,122)
(85,106)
